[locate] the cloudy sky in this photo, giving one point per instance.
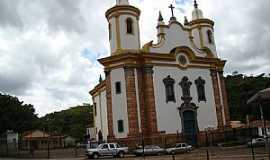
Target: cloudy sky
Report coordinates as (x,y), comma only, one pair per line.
(48,48)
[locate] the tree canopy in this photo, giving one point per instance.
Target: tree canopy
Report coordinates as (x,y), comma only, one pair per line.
(240,88)
(16,116)
(20,117)
(72,122)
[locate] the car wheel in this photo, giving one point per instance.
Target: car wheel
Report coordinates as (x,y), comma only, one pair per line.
(121,155)
(173,153)
(159,154)
(95,156)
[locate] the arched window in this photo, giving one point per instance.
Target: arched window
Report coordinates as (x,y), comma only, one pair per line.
(169,89)
(200,83)
(210,36)
(118,87)
(120,124)
(110,31)
(129,25)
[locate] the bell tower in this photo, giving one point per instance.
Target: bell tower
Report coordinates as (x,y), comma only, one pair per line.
(122,2)
(124,32)
(203,30)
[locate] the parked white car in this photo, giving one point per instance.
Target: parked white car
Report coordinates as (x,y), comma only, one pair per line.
(107,149)
(179,148)
(149,150)
(257,142)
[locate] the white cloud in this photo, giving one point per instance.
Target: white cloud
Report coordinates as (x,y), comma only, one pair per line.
(48,49)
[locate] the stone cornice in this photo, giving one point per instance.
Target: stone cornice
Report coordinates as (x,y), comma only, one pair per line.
(169,59)
(98,88)
(122,8)
(200,21)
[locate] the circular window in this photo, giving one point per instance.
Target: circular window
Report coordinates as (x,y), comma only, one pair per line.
(182,60)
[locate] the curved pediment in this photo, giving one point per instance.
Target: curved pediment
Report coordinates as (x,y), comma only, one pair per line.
(174,35)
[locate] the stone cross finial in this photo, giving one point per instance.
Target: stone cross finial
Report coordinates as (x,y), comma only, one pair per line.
(160,18)
(186,21)
(195,4)
(100,79)
(172,7)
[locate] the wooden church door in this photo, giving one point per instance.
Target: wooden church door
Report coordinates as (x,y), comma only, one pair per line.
(190,127)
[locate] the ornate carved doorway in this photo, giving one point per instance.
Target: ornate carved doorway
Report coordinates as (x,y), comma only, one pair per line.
(190,127)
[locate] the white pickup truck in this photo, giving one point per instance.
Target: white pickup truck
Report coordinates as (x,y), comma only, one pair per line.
(107,149)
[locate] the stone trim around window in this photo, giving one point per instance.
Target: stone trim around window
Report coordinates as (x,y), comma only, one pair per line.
(169,89)
(200,85)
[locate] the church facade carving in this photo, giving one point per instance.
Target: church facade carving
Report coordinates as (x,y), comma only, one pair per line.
(200,85)
(169,89)
(173,87)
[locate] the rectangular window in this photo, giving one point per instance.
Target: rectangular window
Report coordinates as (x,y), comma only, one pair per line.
(118,87)
(120,126)
(95,109)
(112,146)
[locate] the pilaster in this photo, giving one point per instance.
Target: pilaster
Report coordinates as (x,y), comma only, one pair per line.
(217,98)
(225,98)
(131,102)
(149,100)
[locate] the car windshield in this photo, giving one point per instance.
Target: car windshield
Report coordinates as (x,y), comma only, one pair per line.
(100,146)
(177,145)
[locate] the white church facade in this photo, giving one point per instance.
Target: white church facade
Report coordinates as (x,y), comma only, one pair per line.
(164,89)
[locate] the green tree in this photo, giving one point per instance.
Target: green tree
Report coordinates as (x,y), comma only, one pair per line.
(16,116)
(240,88)
(71,122)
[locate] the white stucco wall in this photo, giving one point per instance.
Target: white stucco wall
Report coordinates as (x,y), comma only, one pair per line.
(97,117)
(119,102)
(104,114)
(129,41)
(113,39)
(212,46)
(175,36)
(168,118)
(138,99)
(101,121)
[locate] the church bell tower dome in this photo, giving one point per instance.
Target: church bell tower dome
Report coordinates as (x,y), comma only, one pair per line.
(122,2)
(124,30)
(196,13)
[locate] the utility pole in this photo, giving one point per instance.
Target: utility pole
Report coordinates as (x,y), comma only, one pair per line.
(251,139)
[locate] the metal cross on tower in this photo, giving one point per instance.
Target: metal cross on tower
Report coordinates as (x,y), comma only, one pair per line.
(172,7)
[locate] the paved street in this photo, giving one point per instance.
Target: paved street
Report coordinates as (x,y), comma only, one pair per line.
(215,153)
